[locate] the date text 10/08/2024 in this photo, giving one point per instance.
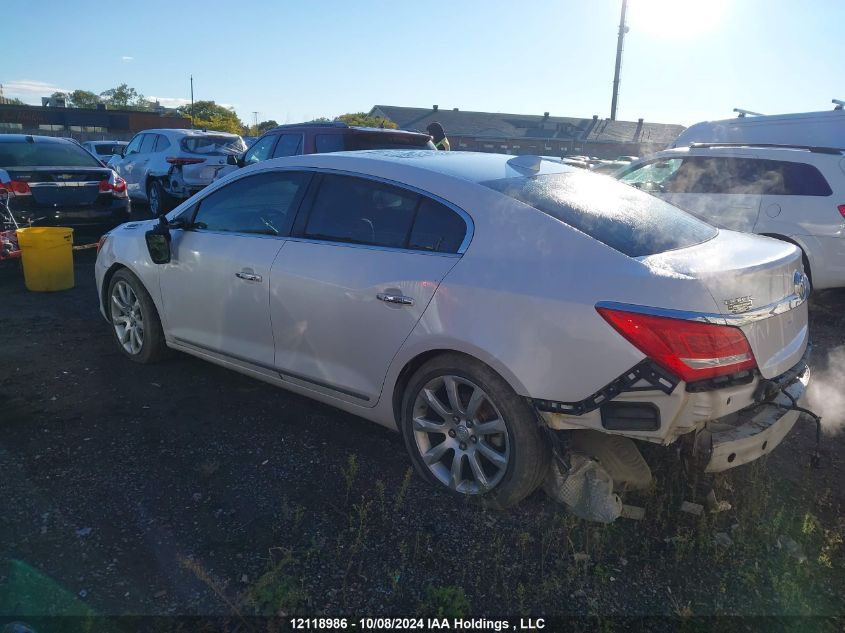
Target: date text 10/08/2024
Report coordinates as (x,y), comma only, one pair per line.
(411,624)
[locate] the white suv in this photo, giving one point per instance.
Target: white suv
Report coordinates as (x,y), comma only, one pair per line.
(164,167)
(793,193)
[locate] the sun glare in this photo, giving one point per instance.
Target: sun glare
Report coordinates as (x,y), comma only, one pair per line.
(676,19)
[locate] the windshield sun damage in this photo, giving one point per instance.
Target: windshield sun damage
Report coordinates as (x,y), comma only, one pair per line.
(213,145)
(629,221)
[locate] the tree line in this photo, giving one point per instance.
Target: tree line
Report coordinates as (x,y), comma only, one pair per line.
(205,114)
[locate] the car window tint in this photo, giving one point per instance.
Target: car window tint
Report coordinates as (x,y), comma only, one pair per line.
(263,203)
(385,140)
(630,221)
(23,154)
(795,179)
(162,143)
(134,145)
(288,145)
(148,143)
(329,143)
(260,150)
(437,228)
(348,209)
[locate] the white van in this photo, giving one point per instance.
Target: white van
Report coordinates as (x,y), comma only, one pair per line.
(822,129)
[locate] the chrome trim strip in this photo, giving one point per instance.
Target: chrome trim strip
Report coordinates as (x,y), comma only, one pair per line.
(283,375)
(708,363)
(737,320)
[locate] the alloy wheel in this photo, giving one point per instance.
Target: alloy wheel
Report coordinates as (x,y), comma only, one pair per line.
(127,318)
(155,203)
(460,435)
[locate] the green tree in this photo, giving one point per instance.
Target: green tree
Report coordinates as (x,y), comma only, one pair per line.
(365,120)
(124,97)
(258,130)
(83,99)
(211,116)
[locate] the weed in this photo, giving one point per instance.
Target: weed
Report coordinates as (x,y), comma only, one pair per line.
(403,490)
(350,472)
(444,602)
(277,592)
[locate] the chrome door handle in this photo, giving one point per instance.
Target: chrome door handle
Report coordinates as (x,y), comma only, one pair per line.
(248,276)
(400,299)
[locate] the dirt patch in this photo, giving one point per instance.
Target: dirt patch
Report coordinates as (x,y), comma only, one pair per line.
(183,488)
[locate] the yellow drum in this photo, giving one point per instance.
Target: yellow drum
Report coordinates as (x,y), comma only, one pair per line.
(47,254)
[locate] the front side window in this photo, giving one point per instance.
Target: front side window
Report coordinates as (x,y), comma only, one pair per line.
(288,145)
(348,209)
(134,145)
(262,203)
(260,150)
(629,221)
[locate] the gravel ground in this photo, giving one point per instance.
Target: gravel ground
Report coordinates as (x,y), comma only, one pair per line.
(183,488)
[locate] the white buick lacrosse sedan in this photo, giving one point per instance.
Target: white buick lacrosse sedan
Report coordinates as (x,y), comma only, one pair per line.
(493,309)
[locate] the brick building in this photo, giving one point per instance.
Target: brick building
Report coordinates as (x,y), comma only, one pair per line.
(83,123)
(539,135)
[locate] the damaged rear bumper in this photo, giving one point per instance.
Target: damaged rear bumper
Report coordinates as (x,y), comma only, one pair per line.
(755,432)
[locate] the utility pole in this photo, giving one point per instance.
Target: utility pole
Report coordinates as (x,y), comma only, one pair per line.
(192,101)
(622,30)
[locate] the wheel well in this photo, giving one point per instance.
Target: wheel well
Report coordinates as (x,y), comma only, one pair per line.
(104,291)
(413,365)
(804,259)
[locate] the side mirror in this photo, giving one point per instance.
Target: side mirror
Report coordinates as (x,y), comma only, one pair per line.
(158,242)
(231,159)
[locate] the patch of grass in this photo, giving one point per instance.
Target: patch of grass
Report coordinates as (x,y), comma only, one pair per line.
(444,602)
(277,592)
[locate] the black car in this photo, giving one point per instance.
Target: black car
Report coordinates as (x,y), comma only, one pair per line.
(54,182)
(322,137)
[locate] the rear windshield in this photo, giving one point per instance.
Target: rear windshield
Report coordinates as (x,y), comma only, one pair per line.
(107,148)
(360,141)
(213,145)
(630,221)
(23,154)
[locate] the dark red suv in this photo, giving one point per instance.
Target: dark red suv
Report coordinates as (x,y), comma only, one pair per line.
(319,138)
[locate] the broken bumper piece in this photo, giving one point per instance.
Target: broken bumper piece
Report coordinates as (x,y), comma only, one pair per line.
(758,432)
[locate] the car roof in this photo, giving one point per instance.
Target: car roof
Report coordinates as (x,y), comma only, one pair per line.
(784,152)
(471,166)
(339,127)
(181,131)
(23,138)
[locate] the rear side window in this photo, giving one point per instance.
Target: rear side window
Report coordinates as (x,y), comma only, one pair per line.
(162,143)
(148,143)
(630,221)
(289,145)
(385,140)
(437,228)
(23,154)
(348,209)
(107,148)
(263,204)
(329,143)
(729,175)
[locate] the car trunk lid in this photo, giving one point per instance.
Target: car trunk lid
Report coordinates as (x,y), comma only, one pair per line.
(61,186)
(758,284)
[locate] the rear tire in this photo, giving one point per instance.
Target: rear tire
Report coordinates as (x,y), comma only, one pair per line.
(136,326)
(469,433)
(160,201)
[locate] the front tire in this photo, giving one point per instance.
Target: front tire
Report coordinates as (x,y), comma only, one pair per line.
(468,432)
(135,323)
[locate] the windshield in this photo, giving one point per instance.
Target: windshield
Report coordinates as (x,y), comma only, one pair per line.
(211,145)
(630,221)
(23,154)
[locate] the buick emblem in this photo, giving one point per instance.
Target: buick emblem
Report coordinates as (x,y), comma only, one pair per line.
(738,305)
(801,285)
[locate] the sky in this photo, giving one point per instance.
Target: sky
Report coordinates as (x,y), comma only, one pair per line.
(684,60)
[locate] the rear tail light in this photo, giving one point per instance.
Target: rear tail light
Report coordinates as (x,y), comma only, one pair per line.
(16,188)
(114,185)
(842,210)
(179,160)
(689,349)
